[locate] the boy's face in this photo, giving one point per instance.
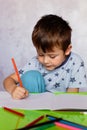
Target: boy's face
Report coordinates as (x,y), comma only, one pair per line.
(51,60)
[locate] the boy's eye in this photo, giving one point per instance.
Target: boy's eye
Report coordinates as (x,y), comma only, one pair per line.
(53,56)
(40,55)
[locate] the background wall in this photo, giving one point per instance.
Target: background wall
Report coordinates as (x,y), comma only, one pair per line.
(17,19)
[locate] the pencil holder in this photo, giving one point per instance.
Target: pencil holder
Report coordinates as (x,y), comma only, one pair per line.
(33,81)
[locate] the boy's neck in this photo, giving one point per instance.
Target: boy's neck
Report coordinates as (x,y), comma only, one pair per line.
(66,59)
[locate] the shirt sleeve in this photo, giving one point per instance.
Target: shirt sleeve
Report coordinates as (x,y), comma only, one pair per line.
(31,65)
(78,77)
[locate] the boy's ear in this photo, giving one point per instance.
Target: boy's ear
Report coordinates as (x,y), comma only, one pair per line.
(68,50)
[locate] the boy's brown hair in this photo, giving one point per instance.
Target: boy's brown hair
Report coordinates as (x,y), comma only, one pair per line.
(51,31)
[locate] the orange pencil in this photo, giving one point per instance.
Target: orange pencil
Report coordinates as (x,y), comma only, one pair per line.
(13,111)
(16,70)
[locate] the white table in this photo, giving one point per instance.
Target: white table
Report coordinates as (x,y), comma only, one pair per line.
(45,101)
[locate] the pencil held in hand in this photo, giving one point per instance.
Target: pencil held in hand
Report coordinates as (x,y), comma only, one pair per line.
(16,71)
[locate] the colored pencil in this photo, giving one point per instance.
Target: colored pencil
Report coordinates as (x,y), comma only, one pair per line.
(17,73)
(14,112)
(66,122)
(72,110)
(39,124)
(35,121)
(68,127)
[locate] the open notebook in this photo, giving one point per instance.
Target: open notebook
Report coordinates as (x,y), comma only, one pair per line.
(46,100)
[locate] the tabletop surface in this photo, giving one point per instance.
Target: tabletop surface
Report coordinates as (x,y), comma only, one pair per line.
(9,121)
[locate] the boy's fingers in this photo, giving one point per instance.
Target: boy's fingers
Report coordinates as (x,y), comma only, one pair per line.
(20,93)
(26,93)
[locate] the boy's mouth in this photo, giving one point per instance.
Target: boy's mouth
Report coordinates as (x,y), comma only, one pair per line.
(50,67)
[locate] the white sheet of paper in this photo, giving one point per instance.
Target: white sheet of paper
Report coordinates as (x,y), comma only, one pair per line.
(45,100)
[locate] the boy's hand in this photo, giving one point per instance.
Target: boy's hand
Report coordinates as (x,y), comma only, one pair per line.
(19,92)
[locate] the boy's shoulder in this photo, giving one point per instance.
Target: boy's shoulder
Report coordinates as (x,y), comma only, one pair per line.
(34,62)
(34,59)
(75,57)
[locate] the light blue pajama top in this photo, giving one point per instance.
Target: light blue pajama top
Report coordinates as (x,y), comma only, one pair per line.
(71,74)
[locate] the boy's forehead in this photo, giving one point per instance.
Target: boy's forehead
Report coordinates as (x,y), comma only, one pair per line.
(54,50)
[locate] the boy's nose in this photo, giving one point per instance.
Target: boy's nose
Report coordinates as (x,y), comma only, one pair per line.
(46,59)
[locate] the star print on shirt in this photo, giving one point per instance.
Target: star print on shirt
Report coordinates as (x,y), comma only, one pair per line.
(71,58)
(73,63)
(72,79)
(56,74)
(49,79)
(21,71)
(44,74)
(85,76)
(82,64)
(80,82)
(57,85)
(68,70)
(78,70)
(62,68)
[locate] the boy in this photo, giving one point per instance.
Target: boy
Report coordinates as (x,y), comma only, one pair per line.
(61,69)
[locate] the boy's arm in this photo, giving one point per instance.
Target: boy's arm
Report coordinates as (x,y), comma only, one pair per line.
(72,90)
(10,84)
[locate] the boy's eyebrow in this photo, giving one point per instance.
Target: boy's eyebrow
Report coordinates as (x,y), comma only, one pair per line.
(53,54)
